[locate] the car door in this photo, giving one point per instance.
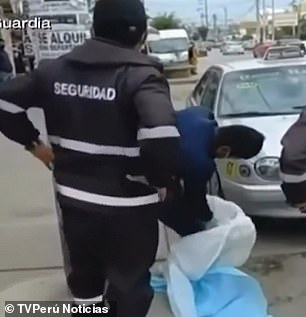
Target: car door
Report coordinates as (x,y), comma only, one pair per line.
(209,96)
(195,98)
(209,101)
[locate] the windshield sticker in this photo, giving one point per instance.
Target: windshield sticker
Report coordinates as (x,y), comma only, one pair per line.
(231,169)
(296,71)
(247,85)
(259,76)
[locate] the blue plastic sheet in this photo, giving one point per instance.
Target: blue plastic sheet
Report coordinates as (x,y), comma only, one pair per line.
(221,292)
(200,276)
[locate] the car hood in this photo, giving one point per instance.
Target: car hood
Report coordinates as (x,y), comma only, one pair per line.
(273,128)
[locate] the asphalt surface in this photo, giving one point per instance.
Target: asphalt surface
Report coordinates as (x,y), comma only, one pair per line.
(27,212)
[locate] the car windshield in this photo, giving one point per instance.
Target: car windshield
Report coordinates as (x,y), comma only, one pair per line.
(265,91)
(169,45)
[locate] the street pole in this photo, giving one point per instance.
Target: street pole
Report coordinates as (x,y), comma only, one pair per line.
(206,12)
(257,4)
(200,9)
(264,22)
(225,17)
(299,17)
(273,20)
(202,19)
(215,19)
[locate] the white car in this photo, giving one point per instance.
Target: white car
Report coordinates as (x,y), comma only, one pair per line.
(232,48)
(267,96)
(248,45)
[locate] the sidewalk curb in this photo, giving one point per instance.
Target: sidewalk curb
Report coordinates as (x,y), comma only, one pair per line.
(183,81)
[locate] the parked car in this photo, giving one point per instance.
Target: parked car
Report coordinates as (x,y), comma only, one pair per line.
(282,52)
(208,45)
(293,42)
(232,48)
(248,45)
(202,49)
(170,47)
(261,48)
(265,95)
(217,45)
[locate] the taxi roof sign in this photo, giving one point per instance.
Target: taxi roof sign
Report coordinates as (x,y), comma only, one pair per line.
(283,52)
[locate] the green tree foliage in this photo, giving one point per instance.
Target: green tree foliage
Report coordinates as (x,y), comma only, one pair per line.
(294,4)
(203,31)
(166,21)
(195,36)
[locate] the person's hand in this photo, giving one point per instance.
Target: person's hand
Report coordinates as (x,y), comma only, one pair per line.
(162,193)
(301,206)
(44,153)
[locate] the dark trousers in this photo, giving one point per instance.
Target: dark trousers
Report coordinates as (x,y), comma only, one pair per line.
(178,214)
(118,246)
(176,217)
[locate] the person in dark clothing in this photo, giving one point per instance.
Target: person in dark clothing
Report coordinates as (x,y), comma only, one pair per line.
(193,58)
(109,118)
(293,164)
(186,209)
(32,63)
(19,62)
(6,68)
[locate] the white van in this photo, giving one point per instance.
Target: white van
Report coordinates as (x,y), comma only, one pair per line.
(170,47)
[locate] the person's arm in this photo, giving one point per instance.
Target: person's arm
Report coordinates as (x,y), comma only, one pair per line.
(8,64)
(293,162)
(158,136)
(195,190)
(16,97)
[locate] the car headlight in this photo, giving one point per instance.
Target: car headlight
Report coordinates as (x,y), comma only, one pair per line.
(268,168)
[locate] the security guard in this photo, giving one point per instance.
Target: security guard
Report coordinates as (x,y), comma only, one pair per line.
(109,119)
(293,164)
(193,57)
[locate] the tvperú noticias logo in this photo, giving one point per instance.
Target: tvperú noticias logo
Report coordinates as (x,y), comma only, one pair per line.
(36,23)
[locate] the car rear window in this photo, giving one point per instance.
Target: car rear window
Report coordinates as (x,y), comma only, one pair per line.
(269,90)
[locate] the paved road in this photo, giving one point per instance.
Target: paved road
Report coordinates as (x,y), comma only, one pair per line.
(27,211)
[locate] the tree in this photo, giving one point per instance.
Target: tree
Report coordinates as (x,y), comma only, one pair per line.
(294,4)
(203,31)
(166,21)
(195,36)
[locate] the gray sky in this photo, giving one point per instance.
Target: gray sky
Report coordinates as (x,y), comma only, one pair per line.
(187,9)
